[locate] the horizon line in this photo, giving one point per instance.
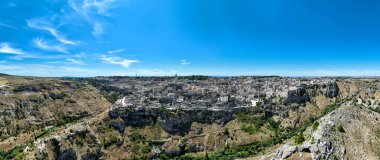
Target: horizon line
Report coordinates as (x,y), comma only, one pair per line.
(212,76)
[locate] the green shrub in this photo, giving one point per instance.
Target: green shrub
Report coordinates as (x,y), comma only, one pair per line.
(330,108)
(273,124)
(315,125)
(250,129)
(113,140)
(145,149)
(250,124)
(135,148)
(298,139)
(226,132)
(340,129)
(136,137)
(334,157)
(377,110)
(105,129)
(112,97)
(193,157)
(377,133)
(312,141)
(62,120)
(163,156)
(242,154)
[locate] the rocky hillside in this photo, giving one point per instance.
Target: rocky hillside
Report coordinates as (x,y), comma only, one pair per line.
(31,106)
(349,132)
(187,117)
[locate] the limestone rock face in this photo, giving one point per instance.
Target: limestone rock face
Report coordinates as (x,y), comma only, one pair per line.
(285,151)
(347,133)
(331,90)
(299,96)
(304,93)
(176,123)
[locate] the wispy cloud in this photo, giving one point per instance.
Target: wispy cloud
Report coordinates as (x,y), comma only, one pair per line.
(126,63)
(80,55)
(74,61)
(60,37)
(185,62)
(41,24)
(41,44)
(90,10)
(7,49)
(38,55)
(7,26)
(116,51)
(86,7)
(97,29)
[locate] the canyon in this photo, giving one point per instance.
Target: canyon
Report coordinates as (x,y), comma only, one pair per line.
(189,117)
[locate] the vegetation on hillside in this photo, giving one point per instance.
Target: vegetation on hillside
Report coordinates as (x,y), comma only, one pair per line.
(256,147)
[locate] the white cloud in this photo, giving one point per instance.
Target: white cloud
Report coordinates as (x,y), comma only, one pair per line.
(118,61)
(39,56)
(185,62)
(97,29)
(74,61)
(41,24)
(116,51)
(7,26)
(87,7)
(41,44)
(90,10)
(60,37)
(80,55)
(7,49)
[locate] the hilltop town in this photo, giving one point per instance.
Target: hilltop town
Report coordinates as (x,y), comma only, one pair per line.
(213,93)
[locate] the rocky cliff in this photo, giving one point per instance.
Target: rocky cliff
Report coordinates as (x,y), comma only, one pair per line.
(177,121)
(349,132)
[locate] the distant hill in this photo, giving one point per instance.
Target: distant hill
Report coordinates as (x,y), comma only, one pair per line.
(3,74)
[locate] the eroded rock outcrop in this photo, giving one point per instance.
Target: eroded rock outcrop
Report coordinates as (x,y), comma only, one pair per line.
(304,93)
(350,132)
(175,122)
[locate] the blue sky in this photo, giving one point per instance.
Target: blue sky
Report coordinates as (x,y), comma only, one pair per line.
(209,37)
